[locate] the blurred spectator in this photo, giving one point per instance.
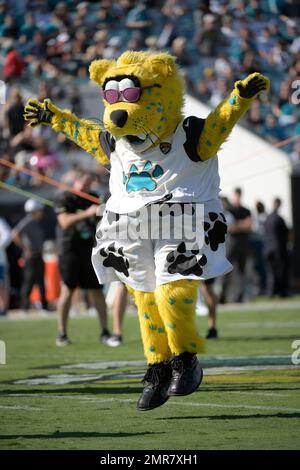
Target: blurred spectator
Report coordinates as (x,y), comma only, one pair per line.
(257,242)
(118,312)
(8,29)
(38,47)
(43,160)
(29,236)
(75,99)
(272,130)
(203,91)
(211,300)
(5,239)
(237,247)
(179,49)
(255,118)
(276,251)
(113,48)
(210,39)
(14,65)
(138,19)
(230,219)
(219,93)
(75,238)
(295,155)
(14,113)
(231,39)
(29,27)
(61,13)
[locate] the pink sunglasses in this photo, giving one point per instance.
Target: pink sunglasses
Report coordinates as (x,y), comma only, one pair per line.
(131,94)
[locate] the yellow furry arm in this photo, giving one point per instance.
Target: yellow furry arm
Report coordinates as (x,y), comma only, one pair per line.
(221,121)
(85,133)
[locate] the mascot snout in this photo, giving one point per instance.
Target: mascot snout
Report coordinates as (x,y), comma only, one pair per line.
(119,117)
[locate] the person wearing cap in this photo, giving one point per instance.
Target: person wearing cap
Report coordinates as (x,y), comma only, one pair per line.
(29,236)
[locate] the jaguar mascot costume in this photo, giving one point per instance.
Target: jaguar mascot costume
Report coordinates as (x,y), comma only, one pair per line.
(159,161)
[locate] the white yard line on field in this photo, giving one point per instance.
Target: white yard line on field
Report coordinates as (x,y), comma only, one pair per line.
(260,394)
(259,306)
(247,407)
(19,408)
(67,379)
(264,324)
(210,361)
(228,308)
(176,403)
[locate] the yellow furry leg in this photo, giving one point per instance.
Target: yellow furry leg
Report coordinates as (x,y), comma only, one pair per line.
(153,332)
(177,308)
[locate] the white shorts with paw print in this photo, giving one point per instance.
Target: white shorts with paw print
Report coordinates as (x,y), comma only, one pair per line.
(161,243)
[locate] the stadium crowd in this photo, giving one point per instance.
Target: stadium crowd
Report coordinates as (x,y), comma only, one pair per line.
(215,43)
(48,46)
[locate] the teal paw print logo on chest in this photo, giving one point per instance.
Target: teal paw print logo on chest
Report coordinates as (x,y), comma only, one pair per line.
(137,180)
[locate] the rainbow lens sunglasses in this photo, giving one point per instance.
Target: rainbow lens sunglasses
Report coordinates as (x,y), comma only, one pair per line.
(131,94)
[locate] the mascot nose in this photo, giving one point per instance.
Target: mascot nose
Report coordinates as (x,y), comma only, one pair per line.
(119,117)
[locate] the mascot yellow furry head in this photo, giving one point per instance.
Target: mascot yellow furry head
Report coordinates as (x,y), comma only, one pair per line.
(143,96)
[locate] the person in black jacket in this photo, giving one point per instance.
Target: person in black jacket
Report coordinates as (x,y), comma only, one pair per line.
(75,233)
(29,236)
(276,251)
(237,247)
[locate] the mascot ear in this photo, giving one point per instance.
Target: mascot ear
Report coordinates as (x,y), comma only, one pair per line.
(162,64)
(98,69)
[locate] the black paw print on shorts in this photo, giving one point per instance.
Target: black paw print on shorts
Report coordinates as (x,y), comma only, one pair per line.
(115,259)
(215,230)
(183,263)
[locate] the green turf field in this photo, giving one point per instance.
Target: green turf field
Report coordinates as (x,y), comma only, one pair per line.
(78,397)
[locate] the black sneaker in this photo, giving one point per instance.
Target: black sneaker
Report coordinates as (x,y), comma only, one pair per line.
(212,333)
(156,384)
(104,337)
(187,374)
(62,340)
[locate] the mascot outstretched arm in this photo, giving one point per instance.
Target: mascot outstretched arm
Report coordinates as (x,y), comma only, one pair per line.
(163,174)
(83,132)
(221,121)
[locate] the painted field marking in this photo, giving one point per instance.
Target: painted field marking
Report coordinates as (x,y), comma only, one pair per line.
(258,307)
(133,376)
(248,407)
(109,371)
(176,403)
(264,324)
(237,369)
(15,315)
(2,349)
(104,365)
(262,394)
(212,361)
(19,408)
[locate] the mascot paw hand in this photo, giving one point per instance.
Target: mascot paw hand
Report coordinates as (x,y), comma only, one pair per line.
(252,85)
(39,113)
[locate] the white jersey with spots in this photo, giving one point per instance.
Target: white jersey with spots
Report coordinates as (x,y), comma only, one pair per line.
(170,171)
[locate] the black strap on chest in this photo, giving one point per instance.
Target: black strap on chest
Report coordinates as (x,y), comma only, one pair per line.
(107,143)
(193,126)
